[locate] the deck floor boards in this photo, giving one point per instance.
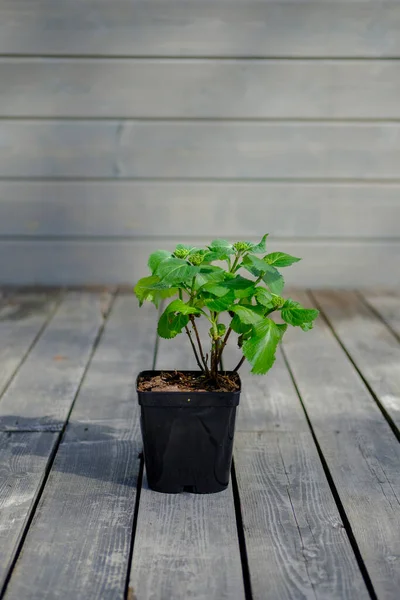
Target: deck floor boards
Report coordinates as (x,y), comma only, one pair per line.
(314,511)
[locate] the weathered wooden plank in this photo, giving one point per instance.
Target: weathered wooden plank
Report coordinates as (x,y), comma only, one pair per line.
(84,553)
(23,461)
(372,347)
(22,318)
(123,261)
(293,544)
(115,149)
(186,545)
(387,304)
(171,88)
(40,396)
(359,448)
(239,28)
(296,544)
(128,208)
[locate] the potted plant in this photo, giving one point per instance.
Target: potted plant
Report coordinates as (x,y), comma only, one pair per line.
(188,418)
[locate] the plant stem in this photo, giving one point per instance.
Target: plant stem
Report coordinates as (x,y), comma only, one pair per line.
(241,361)
(235,262)
(224,343)
(191,317)
(194,348)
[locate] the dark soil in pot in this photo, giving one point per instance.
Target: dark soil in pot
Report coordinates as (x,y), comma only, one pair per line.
(187,433)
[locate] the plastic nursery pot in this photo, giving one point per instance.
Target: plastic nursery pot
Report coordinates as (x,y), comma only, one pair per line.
(187,438)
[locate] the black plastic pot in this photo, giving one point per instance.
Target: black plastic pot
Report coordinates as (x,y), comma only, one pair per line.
(187,438)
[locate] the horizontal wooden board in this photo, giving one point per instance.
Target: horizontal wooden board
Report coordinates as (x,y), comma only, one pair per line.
(239,209)
(190,88)
(208,28)
(23,461)
(330,263)
(218,150)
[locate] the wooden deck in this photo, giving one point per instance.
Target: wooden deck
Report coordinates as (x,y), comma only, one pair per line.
(313,511)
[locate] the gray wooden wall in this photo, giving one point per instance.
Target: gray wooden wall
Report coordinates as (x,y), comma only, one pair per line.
(127,125)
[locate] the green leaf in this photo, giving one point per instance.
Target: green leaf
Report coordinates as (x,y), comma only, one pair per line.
(295,314)
(251,315)
(175,318)
(173,271)
(219,250)
(264,297)
(170,325)
(209,274)
(157,257)
(260,247)
(260,348)
(280,259)
(274,280)
(242,287)
(257,266)
(239,327)
(220,304)
(149,289)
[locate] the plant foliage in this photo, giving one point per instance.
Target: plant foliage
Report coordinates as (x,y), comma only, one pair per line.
(206,290)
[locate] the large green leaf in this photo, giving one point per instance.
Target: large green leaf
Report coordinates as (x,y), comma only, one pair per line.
(271,276)
(260,348)
(219,250)
(239,327)
(274,280)
(156,258)
(256,266)
(173,271)
(175,318)
(251,315)
(241,287)
(209,274)
(264,297)
(295,314)
(220,304)
(280,259)
(150,289)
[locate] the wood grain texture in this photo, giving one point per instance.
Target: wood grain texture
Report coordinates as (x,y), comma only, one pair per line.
(325,263)
(358,445)
(206,209)
(190,150)
(296,543)
(23,461)
(239,28)
(370,344)
(192,88)
(78,544)
(41,394)
(186,546)
(294,536)
(386,303)
(22,318)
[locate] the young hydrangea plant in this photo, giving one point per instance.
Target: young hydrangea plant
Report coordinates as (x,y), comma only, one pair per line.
(207,290)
